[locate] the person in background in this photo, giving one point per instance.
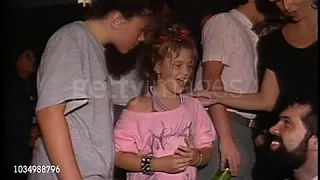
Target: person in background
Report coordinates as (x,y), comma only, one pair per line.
(125,84)
(296,139)
(164,134)
(19,103)
(74,109)
(274,21)
(230,61)
(289,56)
(205,19)
(124,78)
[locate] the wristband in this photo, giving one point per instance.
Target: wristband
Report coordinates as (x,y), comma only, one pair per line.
(146,164)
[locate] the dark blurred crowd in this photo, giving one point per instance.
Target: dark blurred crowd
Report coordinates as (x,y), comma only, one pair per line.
(287,48)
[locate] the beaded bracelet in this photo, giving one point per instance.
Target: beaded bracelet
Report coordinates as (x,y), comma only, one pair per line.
(146,164)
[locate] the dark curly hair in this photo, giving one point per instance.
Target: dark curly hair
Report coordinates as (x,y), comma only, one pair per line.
(164,44)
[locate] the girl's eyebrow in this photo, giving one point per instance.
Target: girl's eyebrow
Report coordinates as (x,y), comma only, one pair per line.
(181,61)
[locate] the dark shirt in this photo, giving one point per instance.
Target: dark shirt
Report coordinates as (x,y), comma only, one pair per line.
(296,69)
(19,96)
(296,72)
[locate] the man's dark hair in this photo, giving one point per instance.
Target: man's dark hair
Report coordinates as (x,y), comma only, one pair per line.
(128,8)
(310,119)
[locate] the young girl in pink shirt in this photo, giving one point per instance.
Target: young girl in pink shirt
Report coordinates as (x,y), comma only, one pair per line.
(164,134)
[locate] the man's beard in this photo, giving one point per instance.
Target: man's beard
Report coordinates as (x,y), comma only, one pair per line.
(292,159)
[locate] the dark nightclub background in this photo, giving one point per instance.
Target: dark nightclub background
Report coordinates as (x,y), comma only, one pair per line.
(36,20)
(32,22)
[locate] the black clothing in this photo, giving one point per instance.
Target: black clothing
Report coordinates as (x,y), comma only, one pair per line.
(296,69)
(19,112)
(296,72)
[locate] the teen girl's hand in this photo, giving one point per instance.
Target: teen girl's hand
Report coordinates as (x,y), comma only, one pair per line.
(170,164)
(189,152)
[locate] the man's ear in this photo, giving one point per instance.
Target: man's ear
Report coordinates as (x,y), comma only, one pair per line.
(313,143)
(116,20)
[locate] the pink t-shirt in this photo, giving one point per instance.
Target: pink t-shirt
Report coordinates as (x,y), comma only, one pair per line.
(160,133)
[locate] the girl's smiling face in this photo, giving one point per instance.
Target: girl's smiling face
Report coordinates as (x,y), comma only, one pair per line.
(175,72)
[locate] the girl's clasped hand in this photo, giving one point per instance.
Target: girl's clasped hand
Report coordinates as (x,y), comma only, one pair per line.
(183,157)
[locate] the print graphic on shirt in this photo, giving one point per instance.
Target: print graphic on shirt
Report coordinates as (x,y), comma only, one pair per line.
(164,137)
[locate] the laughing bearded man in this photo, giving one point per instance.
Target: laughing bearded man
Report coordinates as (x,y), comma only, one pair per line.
(296,139)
